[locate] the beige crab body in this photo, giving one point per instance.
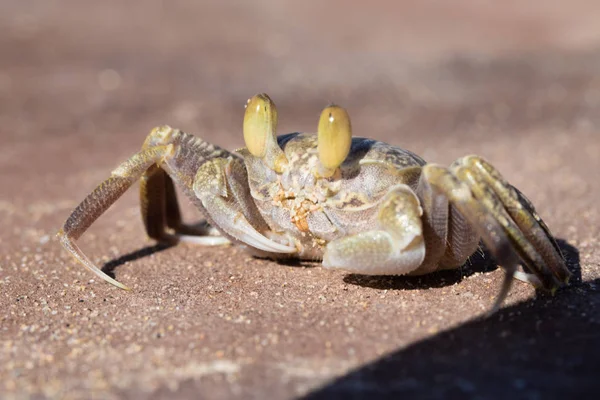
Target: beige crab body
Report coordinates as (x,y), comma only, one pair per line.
(310,211)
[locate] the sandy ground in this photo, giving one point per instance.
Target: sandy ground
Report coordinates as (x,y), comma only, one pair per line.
(82,84)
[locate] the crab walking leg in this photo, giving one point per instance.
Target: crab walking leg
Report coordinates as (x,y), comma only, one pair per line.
(528,253)
(153,204)
(160,210)
(396,248)
(533,228)
(450,240)
(490,226)
(461,243)
(435,225)
(97,202)
(218,185)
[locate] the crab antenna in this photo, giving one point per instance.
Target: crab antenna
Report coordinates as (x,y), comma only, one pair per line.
(260,124)
(334,139)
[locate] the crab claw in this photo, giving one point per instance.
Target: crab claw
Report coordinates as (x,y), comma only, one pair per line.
(260,124)
(334,139)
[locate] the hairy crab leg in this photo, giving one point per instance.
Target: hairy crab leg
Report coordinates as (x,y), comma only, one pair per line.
(435,226)
(524,215)
(528,254)
(97,202)
(397,247)
(160,210)
(536,254)
(450,239)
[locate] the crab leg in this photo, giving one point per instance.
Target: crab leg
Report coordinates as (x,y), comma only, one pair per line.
(532,227)
(487,203)
(97,202)
(530,252)
(396,248)
(488,224)
(450,240)
(158,203)
(160,210)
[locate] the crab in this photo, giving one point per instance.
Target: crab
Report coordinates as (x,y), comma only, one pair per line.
(357,204)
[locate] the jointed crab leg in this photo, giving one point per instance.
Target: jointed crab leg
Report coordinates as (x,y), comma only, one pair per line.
(450,239)
(486,224)
(97,202)
(158,203)
(160,210)
(494,206)
(534,230)
(510,229)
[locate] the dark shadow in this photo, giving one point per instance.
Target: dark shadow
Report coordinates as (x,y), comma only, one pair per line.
(110,267)
(479,262)
(294,262)
(571,255)
(543,348)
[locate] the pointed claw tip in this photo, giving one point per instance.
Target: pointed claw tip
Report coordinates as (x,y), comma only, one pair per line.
(118,284)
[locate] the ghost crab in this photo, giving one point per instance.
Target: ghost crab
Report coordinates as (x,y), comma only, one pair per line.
(357,204)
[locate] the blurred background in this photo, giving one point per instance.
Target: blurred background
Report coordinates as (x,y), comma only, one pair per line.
(83,82)
(439,78)
(108,71)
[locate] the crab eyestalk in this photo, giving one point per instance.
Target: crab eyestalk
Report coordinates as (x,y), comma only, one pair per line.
(334,140)
(260,124)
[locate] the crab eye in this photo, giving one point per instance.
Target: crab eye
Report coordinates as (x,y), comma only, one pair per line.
(334,137)
(260,122)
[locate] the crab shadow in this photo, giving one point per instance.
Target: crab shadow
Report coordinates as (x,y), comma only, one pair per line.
(480,262)
(109,267)
(545,347)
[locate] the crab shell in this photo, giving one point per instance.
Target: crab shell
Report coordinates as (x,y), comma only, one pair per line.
(311,211)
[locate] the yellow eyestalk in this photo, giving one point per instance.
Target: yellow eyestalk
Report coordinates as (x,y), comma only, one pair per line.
(260,124)
(334,139)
